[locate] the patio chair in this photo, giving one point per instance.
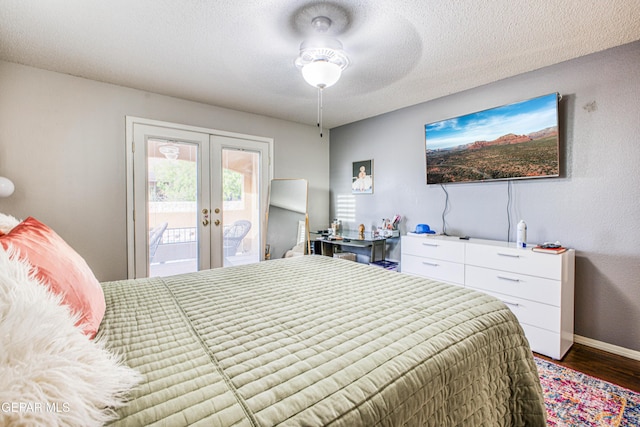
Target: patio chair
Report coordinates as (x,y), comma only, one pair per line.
(234,235)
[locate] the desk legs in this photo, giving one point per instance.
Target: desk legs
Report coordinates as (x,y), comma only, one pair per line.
(328,249)
(382,243)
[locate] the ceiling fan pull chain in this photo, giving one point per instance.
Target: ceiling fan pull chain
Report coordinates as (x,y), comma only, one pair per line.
(320,110)
(318,107)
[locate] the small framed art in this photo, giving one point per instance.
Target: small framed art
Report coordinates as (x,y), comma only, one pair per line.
(362,177)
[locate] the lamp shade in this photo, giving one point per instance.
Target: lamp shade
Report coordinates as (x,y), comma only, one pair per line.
(321,74)
(6,187)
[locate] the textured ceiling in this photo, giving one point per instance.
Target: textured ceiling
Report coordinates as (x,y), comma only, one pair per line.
(240,55)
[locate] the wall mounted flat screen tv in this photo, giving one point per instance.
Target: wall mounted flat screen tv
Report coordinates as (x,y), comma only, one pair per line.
(515,141)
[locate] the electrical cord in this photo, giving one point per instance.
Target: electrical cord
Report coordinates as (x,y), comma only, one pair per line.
(509,211)
(444,211)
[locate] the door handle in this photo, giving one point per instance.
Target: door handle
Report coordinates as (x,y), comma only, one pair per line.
(205,213)
(216,222)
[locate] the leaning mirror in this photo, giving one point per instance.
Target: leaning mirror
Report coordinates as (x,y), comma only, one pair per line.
(287,219)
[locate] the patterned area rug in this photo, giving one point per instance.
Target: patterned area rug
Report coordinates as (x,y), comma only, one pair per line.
(575,399)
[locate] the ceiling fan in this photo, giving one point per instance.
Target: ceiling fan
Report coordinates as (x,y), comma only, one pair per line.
(321,60)
(373,59)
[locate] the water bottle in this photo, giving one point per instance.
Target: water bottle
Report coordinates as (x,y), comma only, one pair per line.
(521,235)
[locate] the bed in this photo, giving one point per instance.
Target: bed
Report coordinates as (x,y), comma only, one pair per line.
(300,341)
(317,341)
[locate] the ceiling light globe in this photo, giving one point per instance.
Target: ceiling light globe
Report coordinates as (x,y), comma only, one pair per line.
(321,74)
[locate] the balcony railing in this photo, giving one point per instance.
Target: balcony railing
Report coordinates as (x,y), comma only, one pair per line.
(179,235)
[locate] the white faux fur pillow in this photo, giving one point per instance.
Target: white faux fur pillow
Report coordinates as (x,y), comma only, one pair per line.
(50,372)
(7,222)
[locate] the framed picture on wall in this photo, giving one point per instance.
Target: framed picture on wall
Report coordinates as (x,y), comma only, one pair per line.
(362,177)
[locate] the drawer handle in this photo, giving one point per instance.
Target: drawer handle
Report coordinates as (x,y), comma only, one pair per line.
(433,245)
(509,279)
(508,255)
(511,303)
(432,264)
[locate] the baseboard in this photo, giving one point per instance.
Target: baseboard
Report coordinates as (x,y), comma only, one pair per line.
(610,348)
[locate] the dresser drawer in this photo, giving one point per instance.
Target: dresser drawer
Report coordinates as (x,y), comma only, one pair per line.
(532,288)
(445,271)
(523,261)
(544,342)
(530,312)
(434,248)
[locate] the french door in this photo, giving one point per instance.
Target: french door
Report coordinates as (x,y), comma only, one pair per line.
(197,198)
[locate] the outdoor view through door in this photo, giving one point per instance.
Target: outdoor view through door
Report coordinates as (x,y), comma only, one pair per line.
(174,212)
(240,206)
(172,177)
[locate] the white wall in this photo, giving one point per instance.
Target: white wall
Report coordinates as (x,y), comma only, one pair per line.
(594,207)
(62,143)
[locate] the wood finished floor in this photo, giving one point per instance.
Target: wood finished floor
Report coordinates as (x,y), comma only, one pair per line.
(615,369)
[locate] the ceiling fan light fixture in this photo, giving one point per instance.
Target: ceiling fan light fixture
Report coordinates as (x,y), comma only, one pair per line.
(321,57)
(321,74)
(321,60)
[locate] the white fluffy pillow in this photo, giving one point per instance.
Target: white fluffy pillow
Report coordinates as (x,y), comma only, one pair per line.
(7,222)
(50,372)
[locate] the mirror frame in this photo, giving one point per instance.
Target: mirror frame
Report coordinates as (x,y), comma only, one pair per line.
(307,238)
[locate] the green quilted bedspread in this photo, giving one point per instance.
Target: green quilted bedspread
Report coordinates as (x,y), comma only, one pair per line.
(315,341)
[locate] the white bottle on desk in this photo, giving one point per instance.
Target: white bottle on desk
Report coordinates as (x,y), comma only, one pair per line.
(521,234)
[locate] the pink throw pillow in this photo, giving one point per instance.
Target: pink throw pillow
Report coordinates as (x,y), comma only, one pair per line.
(62,269)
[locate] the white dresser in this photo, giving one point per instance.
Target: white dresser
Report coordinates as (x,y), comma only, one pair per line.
(436,258)
(537,287)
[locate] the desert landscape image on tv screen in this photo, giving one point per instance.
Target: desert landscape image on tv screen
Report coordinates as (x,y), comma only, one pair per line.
(514,141)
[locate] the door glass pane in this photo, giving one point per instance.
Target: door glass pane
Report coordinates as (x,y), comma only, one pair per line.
(173,209)
(241,206)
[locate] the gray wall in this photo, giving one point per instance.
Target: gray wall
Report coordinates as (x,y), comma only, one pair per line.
(594,207)
(62,142)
